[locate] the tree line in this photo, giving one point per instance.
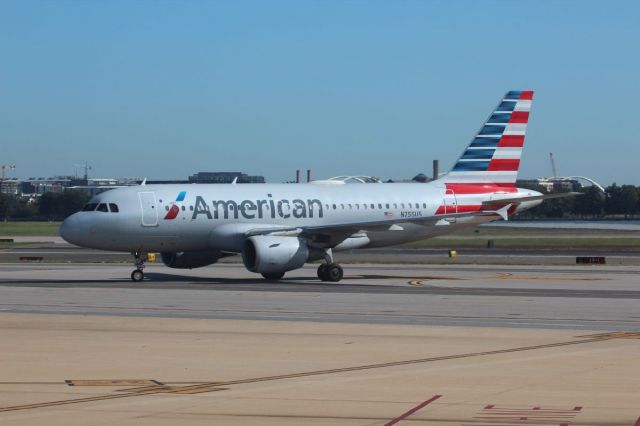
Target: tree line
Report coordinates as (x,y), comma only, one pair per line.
(618,201)
(49,206)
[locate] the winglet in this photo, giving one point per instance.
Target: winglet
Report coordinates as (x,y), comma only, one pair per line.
(144,182)
(235,180)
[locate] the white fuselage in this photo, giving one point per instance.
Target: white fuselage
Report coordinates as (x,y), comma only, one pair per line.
(199,217)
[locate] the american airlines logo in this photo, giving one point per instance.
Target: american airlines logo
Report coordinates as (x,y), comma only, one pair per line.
(175,209)
(256,209)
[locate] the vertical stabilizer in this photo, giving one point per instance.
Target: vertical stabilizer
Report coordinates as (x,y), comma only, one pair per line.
(493,156)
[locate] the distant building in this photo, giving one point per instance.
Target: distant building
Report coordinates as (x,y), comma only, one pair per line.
(38,186)
(9,186)
(560,184)
(34,187)
(224,177)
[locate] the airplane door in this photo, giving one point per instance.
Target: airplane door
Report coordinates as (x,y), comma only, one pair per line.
(450,203)
(149,209)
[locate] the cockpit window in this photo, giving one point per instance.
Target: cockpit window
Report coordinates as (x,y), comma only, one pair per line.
(90,207)
(102,207)
(113,207)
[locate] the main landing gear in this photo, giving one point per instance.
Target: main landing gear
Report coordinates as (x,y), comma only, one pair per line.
(330,272)
(139,259)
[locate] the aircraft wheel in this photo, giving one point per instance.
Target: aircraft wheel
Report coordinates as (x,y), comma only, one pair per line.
(322,272)
(137,275)
(334,273)
(274,276)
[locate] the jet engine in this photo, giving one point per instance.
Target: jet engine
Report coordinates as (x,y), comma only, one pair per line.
(190,259)
(268,254)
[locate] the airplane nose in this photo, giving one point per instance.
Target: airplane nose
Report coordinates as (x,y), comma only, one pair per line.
(71,229)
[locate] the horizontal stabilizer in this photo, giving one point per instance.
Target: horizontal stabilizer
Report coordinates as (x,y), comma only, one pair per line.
(518,200)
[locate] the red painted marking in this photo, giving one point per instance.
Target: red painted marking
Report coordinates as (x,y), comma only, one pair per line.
(526,95)
(173,212)
(637,422)
(511,141)
(459,209)
(519,117)
(481,188)
(503,165)
(413,410)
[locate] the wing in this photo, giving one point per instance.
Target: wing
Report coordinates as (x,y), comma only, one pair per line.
(334,234)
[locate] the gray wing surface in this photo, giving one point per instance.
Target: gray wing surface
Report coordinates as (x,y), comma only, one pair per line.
(331,235)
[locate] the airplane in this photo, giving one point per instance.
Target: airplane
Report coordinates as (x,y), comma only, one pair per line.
(279,227)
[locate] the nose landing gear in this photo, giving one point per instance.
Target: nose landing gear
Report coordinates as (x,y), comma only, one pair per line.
(139,260)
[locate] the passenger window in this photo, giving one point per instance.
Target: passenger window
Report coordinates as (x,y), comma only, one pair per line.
(342,206)
(387,205)
(373,206)
(113,207)
(395,206)
(89,207)
(402,205)
(102,207)
(365,206)
(379,206)
(191,208)
(166,208)
(424,205)
(183,208)
(334,206)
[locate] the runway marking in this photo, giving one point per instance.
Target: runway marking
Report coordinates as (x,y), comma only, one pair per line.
(413,410)
(505,276)
(111,382)
(496,416)
(510,276)
(215,386)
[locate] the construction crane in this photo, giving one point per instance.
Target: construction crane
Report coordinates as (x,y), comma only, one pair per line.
(553,165)
(4,169)
(86,168)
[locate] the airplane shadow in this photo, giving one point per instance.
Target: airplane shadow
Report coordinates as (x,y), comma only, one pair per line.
(158,279)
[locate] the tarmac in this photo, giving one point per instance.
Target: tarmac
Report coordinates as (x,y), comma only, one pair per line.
(472,345)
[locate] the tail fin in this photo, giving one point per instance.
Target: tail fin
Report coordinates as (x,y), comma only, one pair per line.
(493,156)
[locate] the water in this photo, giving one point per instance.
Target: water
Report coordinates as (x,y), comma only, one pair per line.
(611,225)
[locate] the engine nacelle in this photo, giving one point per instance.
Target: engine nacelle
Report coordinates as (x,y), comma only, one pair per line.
(189,259)
(268,254)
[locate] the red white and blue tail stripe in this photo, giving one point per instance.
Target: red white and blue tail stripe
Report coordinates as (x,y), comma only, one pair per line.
(493,156)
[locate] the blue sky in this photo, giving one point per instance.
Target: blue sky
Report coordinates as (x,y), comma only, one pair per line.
(164,89)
